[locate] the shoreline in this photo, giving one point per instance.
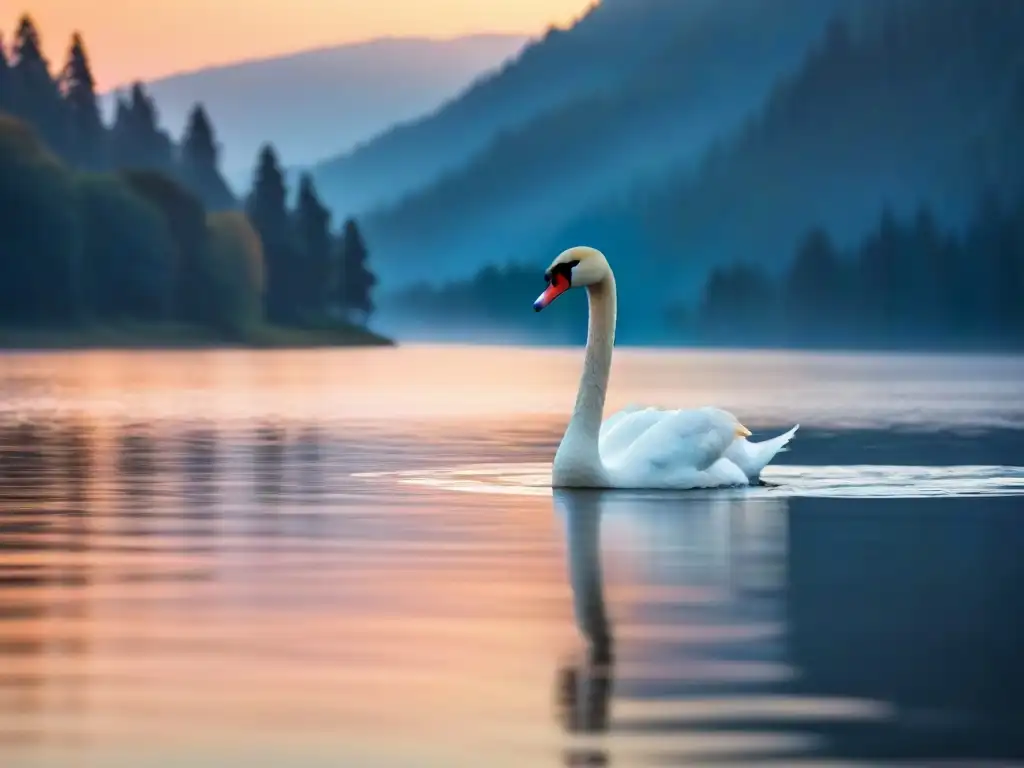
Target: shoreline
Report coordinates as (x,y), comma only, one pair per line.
(174,336)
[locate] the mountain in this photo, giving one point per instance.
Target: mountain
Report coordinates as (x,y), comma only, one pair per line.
(898,113)
(709,74)
(920,102)
(599,51)
(315,103)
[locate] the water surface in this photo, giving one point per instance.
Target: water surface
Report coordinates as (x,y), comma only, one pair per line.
(353,558)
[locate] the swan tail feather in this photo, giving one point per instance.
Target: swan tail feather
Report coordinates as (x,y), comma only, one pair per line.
(752,458)
(769,449)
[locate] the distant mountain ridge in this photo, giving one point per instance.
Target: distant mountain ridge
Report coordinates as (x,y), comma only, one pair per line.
(898,104)
(711,71)
(893,114)
(318,102)
(605,46)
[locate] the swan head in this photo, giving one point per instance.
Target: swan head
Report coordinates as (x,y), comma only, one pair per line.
(575,268)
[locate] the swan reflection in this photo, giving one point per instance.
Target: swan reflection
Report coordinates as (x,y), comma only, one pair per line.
(584,685)
(706,552)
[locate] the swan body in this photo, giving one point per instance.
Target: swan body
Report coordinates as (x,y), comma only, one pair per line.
(640,448)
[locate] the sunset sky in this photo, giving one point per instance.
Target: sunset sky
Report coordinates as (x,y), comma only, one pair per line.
(131,39)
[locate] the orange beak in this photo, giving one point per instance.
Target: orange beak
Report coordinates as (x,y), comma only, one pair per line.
(559,285)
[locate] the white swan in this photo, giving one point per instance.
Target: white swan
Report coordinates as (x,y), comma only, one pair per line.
(640,448)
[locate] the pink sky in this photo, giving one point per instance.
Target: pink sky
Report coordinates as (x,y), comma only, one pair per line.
(129,39)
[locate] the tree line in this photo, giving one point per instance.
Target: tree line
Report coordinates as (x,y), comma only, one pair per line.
(119,222)
(909,283)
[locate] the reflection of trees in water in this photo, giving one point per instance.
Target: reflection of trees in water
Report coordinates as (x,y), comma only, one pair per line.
(309,458)
(199,468)
(288,467)
(910,604)
(137,466)
(78,450)
(27,482)
(44,514)
(268,461)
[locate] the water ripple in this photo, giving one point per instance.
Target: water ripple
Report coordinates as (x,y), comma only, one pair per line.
(864,481)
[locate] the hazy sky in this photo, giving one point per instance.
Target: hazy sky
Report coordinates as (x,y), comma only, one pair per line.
(131,39)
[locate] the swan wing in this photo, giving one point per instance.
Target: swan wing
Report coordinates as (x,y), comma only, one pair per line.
(656,443)
(621,429)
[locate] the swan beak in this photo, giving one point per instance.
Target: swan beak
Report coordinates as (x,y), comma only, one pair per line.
(742,431)
(559,285)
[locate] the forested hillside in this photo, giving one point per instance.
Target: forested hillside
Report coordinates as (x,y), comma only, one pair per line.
(918,115)
(710,73)
(908,112)
(604,47)
(119,226)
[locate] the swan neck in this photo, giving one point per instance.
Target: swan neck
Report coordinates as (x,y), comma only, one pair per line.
(589,411)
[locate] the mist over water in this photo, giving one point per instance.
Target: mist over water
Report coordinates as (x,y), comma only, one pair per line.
(352,558)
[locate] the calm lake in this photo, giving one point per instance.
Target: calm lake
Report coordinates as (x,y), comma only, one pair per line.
(352,559)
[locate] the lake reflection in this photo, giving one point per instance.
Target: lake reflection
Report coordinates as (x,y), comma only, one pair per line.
(227,570)
(821,632)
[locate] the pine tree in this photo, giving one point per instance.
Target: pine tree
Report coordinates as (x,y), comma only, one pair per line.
(39,101)
(877,269)
(137,140)
(87,134)
(7,100)
(123,152)
(356,281)
(814,295)
(199,162)
(268,210)
(312,223)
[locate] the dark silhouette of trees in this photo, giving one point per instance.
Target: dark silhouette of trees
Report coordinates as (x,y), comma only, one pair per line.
(734,305)
(37,98)
(356,281)
(137,139)
(87,135)
(64,111)
(494,302)
(908,284)
(40,239)
(128,255)
(313,229)
(200,160)
(815,292)
(185,218)
(7,103)
(268,210)
(233,268)
(109,224)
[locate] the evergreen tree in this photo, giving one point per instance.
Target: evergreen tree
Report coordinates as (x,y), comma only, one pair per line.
(87,137)
(727,313)
(137,140)
(985,240)
(185,219)
(40,231)
(200,159)
(7,101)
(313,222)
(123,153)
(38,97)
(920,273)
(814,295)
(878,285)
(268,210)
(355,281)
